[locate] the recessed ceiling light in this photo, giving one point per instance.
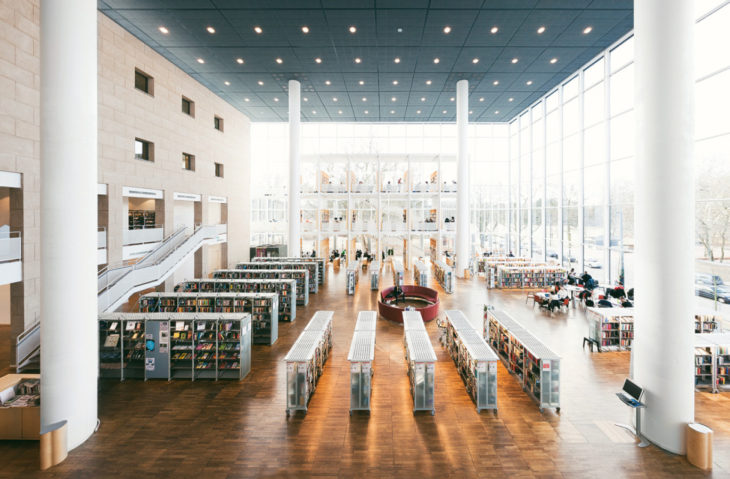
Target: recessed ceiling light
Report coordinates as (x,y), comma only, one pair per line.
(586,30)
(279,61)
(305,99)
(239,61)
(447,29)
(352,29)
(541,30)
(366,112)
(276,99)
(399,30)
(395,82)
(553,60)
(444,112)
(358,60)
(515,60)
(247,100)
(436,60)
(211,30)
(201,61)
(314,112)
(510,99)
(258,30)
(334,98)
(393,99)
(451,99)
(475,60)
(339,112)
(317,60)
(528,82)
(260,83)
(327,82)
(364,99)
(396,60)
(495,82)
(164,30)
(496,112)
(494,30)
(361,82)
(305,29)
(481,99)
(428,82)
(418,112)
(423,98)
(226,83)
(392,112)
(471,112)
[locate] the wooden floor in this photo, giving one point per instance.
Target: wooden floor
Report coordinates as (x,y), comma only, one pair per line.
(231,429)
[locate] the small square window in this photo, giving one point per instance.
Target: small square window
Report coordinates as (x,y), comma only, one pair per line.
(188,106)
(144,150)
(218,123)
(143,82)
(188,162)
(219,170)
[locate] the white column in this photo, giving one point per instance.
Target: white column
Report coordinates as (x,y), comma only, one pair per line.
(664,217)
(462,178)
(294,167)
(69,326)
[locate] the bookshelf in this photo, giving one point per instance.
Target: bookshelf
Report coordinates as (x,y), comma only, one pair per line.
(611,328)
(301,276)
(475,361)
(421,361)
(310,266)
(535,366)
(375,275)
(186,345)
(712,362)
(707,322)
(305,361)
(366,321)
(361,357)
(420,273)
(529,277)
(444,275)
(264,308)
(321,262)
(284,288)
(139,219)
(110,347)
(352,274)
(398,275)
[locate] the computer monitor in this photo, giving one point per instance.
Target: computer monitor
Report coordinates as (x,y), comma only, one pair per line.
(633,389)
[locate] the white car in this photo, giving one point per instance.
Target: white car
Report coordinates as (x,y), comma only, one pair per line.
(593,263)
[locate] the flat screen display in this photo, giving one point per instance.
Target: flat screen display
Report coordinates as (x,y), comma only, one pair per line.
(633,389)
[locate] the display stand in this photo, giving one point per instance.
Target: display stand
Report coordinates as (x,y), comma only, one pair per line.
(322,262)
(444,275)
(311,266)
(637,407)
(420,274)
(301,276)
(361,357)
(375,275)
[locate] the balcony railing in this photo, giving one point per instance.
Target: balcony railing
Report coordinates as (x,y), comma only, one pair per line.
(144,235)
(10,246)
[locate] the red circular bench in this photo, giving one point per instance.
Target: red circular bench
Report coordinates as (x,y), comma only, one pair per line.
(394,312)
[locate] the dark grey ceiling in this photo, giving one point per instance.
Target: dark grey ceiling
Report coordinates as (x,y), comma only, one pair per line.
(377,43)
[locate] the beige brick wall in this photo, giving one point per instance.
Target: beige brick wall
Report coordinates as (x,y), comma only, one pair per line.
(124,113)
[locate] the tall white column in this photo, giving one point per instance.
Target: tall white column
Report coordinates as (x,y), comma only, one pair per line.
(294,168)
(69,327)
(664,217)
(462,178)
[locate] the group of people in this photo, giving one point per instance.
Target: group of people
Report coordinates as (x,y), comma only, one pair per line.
(589,285)
(556,297)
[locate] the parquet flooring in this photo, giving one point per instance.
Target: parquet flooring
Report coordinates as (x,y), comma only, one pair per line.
(228,429)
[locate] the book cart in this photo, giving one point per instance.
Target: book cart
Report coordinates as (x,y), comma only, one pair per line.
(375,275)
(361,357)
(475,361)
(352,274)
(310,266)
(322,263)
(264,308)
(421,361)
(444,275)
(611,328)
(712,361)
(420,274)
(366,321)
(536,367)
(305,361)
(181,345)
(284,288)
(301,276)
(529,277)
(398,275)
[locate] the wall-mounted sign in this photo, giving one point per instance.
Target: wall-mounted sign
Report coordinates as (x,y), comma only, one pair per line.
(134,192)
(9,179)
(101,189)
(185,197)
(217,199)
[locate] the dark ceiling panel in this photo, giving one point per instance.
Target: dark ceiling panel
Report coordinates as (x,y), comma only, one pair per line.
(331,62)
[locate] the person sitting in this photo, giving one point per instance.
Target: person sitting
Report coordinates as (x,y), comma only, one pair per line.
(557,299)
(585,278)
(572,278)
(510,255)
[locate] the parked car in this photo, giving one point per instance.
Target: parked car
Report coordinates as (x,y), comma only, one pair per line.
(708,279)
(721,292)
(593,263)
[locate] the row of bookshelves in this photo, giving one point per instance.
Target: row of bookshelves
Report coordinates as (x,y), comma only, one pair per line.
(305,361)
(707,323)
(483,264)
(301,276)
(175,345)
(352,275)
(139,219)
(263,307)
(529,277)
(284,288)
(375,275)
(444,275)
(420,361)
(712,361)
(611,328)
(361,357)
(534,365)
(321,262)
(398,274)
(420,273)
(475,361)
(311,266)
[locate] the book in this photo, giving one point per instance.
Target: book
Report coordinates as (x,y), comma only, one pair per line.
(111,341)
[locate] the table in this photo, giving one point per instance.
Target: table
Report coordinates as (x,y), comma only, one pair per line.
(573,289)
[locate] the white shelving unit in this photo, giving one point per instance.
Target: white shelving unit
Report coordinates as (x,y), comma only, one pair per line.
(352,275)
(712,361)
(311,266)
(375,275)
(444,275)
(398,274)
(421,361)
(420,273)
(361,357)
(611,328)
(366,321)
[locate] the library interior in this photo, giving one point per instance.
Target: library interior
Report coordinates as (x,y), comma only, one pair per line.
(365,238)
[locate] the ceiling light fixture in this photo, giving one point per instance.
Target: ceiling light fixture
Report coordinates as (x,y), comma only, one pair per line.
(305,99)
(260,83)
(358,60)
(361,82)
(364,99)
(515,60)
(164,30)
(475,60)
(396,60)
(247,100)
(553,60)
(393,99)
(418,112)
(436,60)
(495,82)
(528,82)
(258,30)
(444,112)
(305,29)
(317,60)
(334,98)
(510,99)
(279,61)
(339,112)
(423,98)
(211,30)
(587,30)
(239,61)
(392,112)
(353,29)
(496,112)
(314,112)
(447,29)
(395,82)
(201,61)
(541,30)
(451,99)
(428,82)
(471,112)
(226,83)
(327,82)
(366,112)
(494,30)
(481,99)
(276,99)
